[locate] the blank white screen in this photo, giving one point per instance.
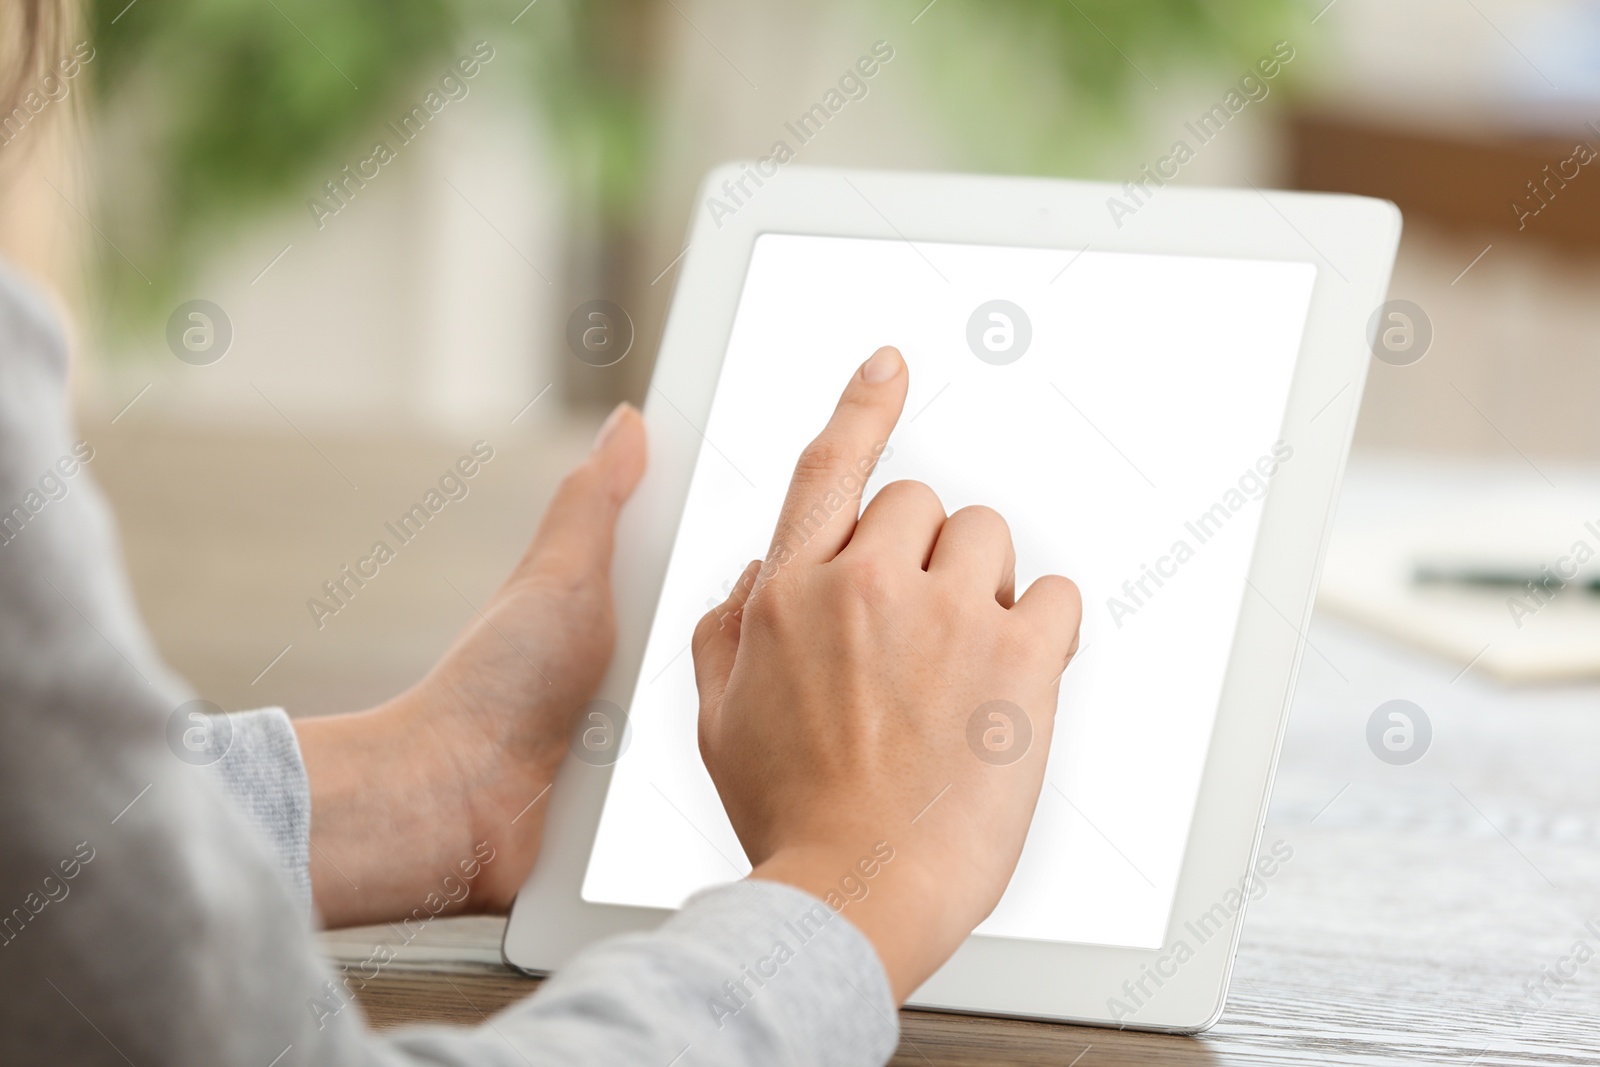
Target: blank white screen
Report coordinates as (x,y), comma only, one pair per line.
(1152,385)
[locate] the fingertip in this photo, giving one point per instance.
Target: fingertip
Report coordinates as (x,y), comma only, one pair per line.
(884,365)
(623,422)
(620,447)
(877,391)
(609,427)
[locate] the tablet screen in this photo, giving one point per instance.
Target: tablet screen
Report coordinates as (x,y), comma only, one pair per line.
(1122,411)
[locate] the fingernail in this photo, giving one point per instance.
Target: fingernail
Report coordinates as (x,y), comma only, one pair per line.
(609,427)
(884,364)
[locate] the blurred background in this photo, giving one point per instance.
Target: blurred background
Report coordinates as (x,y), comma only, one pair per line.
(392,209)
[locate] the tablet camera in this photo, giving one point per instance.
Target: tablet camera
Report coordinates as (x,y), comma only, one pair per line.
(1399,333)
(999,332)
(199,733)
(199,332)
(999,732)
(600,333)
(1399,732)
(601,734)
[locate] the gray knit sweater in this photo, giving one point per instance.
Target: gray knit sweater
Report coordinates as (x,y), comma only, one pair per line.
(153,903)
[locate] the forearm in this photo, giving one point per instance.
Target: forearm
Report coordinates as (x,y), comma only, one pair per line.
(752,972)
(148,924)
(175,903)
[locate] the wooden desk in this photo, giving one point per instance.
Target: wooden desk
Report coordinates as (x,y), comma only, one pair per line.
(1418,901)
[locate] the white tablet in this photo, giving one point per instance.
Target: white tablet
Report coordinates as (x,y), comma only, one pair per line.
(1156,387)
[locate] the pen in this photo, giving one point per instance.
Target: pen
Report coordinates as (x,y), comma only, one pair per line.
(1498,578)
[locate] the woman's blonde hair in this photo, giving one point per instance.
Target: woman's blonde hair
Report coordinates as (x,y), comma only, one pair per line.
(31,32)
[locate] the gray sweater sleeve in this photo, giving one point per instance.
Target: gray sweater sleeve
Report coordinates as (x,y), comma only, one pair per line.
(143,919)
(261,771)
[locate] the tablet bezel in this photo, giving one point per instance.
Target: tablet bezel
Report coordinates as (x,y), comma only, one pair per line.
(1351,241)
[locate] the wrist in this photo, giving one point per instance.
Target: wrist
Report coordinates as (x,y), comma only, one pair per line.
(447,776)
(388,816)
(888,896)
(483,770)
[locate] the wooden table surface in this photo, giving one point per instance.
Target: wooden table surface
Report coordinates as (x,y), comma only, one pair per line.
(1419,901)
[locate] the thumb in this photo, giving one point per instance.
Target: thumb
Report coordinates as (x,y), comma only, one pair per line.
(716,639)
(579,527)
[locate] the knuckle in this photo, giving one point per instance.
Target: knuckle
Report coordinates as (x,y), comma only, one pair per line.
(703,628)
(710,750)
(773,607)
(985,520)
(911,490)
(1065,591)
(1073,594)
(859,590)
(1057,629)
(854,625)
(763,606)
(577,481)
(706,629)
(824,455)
(864,577)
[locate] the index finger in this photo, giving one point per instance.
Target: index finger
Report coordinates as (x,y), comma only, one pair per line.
(824,500)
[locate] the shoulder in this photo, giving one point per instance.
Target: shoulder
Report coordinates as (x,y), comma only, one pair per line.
(31,332)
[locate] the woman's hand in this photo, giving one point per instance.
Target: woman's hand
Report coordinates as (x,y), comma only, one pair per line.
(875,689)
(455,769)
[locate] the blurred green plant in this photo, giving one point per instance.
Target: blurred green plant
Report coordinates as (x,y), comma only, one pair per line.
(1057,86)
(210,112)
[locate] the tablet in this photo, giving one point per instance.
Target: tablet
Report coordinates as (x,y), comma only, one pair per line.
(1156,387)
